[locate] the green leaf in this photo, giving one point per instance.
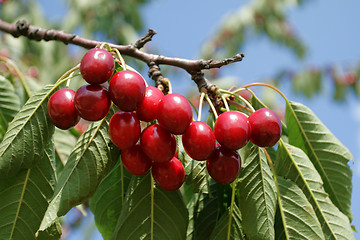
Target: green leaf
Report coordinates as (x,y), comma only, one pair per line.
(294,164)
(27,135)
(9,103)
(195,172)
(24,198)
(108,199)
(151,213)
(297,216)
(64,143)
(92,158)
(203,213)
(257,196)
(51,233)
(221,229)
(329,156)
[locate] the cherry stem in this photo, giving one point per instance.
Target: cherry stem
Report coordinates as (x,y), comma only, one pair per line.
(10,63)
(225,103)
(269,86)
(239,97)
(200,105)
(123,64)
(68,73)
(240,105)
(211,106)
(193,106)
(231,208)
(134,70)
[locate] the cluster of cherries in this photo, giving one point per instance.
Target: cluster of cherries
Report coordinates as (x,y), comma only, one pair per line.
(154,147)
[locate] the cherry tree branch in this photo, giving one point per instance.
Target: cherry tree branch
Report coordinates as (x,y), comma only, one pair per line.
(23,28)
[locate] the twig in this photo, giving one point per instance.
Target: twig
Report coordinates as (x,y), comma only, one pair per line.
(23,28)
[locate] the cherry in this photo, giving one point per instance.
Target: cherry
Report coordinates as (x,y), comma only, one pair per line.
(135,161)
(97,66)
(265,127)
(232,130)
(124,129)
(157,143)
(175,113)
(169,175)
(199,140)
(127,90)
(149,107)
(61,109)
(223,165)
(92,102)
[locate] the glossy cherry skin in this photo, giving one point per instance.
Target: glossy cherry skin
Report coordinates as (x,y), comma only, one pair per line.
(169,175)
(175,113)
(61,109)
(265,127)
(157,143)
(223,165)
(97,66)
(127,90)
(148,109)
(92,102)
(135,160)
(232,130)
(124,129)
(199,140)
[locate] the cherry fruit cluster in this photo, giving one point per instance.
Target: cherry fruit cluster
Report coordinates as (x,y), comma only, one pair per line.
(154,147)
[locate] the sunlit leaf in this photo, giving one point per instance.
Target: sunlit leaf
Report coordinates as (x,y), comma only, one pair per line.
(221,230)
(92,158)
(329,156)
(24,198)
(203,213)
(108,199)
(27,135)
(297,217)
(151,213)
(294,164)
(9,103)
(257,196)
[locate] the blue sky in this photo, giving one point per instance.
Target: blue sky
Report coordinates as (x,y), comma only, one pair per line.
(328,28)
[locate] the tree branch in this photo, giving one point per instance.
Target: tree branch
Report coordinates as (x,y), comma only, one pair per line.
(23,28)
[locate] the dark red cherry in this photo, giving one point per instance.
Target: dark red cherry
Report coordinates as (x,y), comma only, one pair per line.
(169,175)
(232,130)
(135,161)
(199,140)
(157,143)
(265,127)
(127,90)
(97,66)
(148,109)
(124,129)
(175,113)
(61,109)
(92,102)
(223,165)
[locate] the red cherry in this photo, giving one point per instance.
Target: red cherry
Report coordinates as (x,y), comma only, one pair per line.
(97,66)
(199,140)
(265,127)
(148,109)
(175,113)
(127,90)
(232,130)
(223,165)
(61,109)
(92,102)
(124,129)
(135,161)
(157,143)
(169,175)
